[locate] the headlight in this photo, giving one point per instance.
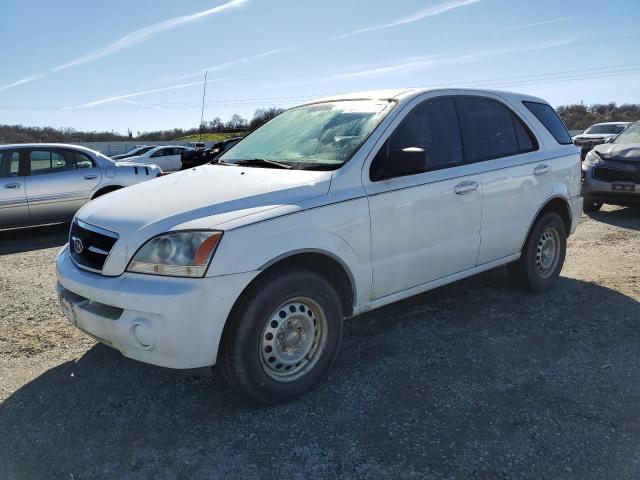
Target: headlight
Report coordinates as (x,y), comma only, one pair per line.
(592,158)
(176,254)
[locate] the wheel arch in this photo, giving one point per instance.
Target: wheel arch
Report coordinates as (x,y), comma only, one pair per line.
(323,262)
(558,204)
(106,189)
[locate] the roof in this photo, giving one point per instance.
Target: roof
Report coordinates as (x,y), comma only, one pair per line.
(408,93)
(47,145)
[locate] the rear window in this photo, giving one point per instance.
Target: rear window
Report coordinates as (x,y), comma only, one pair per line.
(551,121)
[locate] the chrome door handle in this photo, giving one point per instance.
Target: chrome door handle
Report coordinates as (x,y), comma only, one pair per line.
(466,187)
(541,169)
(90,177)
(12,185)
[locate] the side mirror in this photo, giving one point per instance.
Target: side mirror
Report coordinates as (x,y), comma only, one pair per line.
(610,140)
(407,161)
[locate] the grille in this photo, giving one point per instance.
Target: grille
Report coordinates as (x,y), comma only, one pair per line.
(615,175)
(90,246)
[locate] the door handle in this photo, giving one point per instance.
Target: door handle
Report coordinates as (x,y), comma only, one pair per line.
(466,187)
(90,177)
(12,185)
(541,169)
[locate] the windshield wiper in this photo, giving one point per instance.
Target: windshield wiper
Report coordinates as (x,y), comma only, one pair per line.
(262,162)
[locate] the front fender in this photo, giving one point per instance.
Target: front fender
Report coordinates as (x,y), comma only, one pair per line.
(340,231)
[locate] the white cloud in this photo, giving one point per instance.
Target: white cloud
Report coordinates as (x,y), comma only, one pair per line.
(20,82)
(431,11)
(125,96)
(535,24)
(225,65)
(143,34)
(426,62)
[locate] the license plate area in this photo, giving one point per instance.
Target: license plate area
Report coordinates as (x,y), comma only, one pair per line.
(623,187)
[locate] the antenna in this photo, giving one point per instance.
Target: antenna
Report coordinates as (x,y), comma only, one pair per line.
(204,93)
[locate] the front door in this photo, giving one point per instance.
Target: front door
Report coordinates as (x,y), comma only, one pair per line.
(424,226)
(60,182)
(13,201)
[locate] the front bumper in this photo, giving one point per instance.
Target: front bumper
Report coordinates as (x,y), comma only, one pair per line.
(624,193)
(165,321)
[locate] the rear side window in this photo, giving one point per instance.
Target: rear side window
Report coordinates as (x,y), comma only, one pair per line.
(9,163)
(491,130)
(551,121)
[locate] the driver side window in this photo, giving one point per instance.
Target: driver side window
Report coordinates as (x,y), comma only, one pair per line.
(432,130)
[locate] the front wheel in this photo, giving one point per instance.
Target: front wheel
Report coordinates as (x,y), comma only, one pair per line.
(283,336)
(543,254)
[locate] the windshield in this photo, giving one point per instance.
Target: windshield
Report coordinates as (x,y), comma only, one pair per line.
(613,129)
(319,136)
(630,135)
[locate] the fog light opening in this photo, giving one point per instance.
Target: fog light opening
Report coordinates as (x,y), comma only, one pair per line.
(142,335)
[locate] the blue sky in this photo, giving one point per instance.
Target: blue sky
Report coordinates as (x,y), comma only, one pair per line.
(139,64)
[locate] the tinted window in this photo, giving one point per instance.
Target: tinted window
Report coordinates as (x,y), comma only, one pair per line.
(492,130)
(433,127)
(9,163)
(551,121)
(82,161)
(46,161)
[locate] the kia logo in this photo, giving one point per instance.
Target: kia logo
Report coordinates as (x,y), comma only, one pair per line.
(77,244)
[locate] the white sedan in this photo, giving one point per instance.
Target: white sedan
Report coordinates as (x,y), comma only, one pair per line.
(167,157)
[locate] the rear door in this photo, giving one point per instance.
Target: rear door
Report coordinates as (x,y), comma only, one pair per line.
(516,176)
(60,181)
(13,200)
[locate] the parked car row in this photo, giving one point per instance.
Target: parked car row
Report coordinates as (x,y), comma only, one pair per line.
(331,209)
(597,134)
(41,183)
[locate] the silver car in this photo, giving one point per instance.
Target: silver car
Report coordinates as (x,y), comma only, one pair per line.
(42,183)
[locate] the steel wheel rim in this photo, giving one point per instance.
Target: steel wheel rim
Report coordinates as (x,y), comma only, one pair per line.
(293,339)
(547,252)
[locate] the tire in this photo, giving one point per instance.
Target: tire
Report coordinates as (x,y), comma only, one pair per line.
(591,206)
(283,336)
(542,256)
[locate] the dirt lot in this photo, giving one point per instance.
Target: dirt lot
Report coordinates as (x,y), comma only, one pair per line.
(473,380)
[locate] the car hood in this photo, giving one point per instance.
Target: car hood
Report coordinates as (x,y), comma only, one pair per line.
(593,136)
(625,152)
(203,197)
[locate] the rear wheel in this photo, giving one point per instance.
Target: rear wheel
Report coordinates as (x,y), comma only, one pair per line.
(283,337)
(543,254)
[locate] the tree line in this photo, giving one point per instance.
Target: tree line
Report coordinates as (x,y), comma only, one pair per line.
(581,117)
(235,124)
(576,117)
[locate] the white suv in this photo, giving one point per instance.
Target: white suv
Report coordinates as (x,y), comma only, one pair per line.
(332,209)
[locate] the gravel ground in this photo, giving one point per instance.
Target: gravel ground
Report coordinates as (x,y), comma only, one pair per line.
(473,380)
